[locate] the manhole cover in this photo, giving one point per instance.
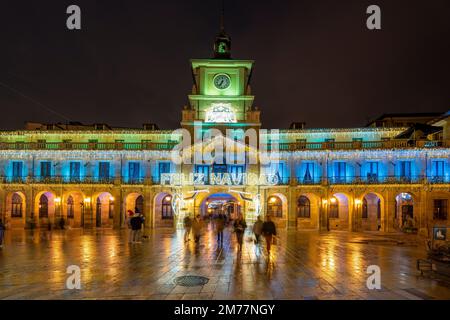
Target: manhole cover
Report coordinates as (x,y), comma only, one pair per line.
(191,281)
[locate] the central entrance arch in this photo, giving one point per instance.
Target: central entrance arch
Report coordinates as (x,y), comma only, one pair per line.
(220,203)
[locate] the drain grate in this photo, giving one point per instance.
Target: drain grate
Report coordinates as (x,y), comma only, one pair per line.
(191,281)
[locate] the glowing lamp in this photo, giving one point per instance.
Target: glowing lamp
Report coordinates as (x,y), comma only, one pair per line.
(273,200)
(357,202)
(58,200)
(111,198)
(87,200)
(168,198)
(333,200)
(324,202)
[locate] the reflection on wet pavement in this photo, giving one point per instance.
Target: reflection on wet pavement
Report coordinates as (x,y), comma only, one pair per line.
(303,265)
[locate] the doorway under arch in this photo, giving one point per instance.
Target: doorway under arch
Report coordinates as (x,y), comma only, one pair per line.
(217,203)
(404,216)
(371,212)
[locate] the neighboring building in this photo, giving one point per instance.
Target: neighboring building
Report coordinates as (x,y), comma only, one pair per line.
(393,120)
(393,173)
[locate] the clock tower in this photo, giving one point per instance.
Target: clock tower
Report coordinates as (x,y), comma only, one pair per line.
(221,94)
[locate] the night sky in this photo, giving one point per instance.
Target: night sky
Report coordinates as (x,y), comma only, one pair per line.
(316,61)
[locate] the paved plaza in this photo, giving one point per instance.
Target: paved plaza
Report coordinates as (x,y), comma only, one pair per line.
(303,265)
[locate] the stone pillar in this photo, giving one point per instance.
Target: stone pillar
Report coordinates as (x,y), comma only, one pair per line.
(148,206)
(387,222)
(292,209)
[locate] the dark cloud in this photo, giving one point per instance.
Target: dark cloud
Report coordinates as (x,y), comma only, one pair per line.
(315,60)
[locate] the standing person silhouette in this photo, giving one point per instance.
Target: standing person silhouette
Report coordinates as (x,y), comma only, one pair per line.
(268,231)
(239,227)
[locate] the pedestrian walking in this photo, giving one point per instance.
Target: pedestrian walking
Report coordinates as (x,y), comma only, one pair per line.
(136,226)
(130,232)
(197,228)
(2,233)
(62,223)
(257,229)
(268,231)
(142,230)
(239,227)
(219,226)
(187,223)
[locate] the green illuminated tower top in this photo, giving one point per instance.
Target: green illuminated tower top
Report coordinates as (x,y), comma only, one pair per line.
(222,45)
(221,95)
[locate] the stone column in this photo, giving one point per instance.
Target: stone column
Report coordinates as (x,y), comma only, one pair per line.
(292,209)
(387,223)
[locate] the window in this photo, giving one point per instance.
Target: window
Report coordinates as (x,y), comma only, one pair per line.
(405,169)
(303,207)
(134,171)
(74,171)
(274,207)
(203,169)
(379,209)
(365,213)
(166,208)
(437,169)
(309,173)
(16,206)
(43,206)
(17,170)
(111,208)
(139,205)
(70,208)
(340,171)
(372,171)
(46,169)
(334,208)
(440,209)
(103,170)
(163,167)
(219,168)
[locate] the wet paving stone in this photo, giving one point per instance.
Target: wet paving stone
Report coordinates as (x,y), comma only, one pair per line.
(306,265)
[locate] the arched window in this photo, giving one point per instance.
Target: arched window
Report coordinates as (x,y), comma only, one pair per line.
(111,208)
(334,208)
(166,207)
(365,212)
(274,207)
(303,207)
(98,213)
(70,208)
(17,204)
(139,205)
(379,209)
(43,206)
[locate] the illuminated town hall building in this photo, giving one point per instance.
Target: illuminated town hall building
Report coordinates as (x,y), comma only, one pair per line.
(391,175)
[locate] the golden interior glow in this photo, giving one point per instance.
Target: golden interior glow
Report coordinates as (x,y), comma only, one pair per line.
(333,200)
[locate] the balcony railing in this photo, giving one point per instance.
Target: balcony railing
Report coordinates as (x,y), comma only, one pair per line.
(155,180)
(384,180)
(351,145)
(356,145)
(87,145)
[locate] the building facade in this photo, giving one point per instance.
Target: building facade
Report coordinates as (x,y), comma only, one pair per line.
(375,178)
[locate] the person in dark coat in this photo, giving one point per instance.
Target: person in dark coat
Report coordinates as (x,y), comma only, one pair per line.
(269,231)
(136,226)
(239,228)
(219,226)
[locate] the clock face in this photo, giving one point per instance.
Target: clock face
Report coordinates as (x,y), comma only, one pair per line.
(222,81)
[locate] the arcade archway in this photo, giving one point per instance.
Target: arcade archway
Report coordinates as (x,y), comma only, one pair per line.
(372,211)
(404,216)
(217,203)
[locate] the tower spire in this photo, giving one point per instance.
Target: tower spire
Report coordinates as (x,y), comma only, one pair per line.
(222,44)
(222,17)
